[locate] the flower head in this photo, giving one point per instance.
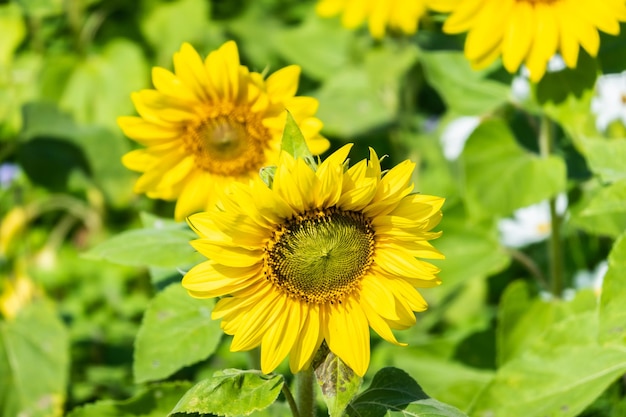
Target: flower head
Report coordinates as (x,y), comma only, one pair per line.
(530,31)
(211,123)
(456,133)
(321,256)
(610,102)
(400,15)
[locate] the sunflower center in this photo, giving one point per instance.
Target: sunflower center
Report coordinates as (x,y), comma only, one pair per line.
(321,255)
(231,143)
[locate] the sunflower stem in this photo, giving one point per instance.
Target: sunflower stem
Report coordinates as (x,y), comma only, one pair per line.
(306,397)
(555,251)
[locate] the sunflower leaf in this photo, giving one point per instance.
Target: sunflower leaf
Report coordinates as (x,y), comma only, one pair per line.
(176,331)
(166,247)
(231,392)
(338,382)
(293,142)
(394,393)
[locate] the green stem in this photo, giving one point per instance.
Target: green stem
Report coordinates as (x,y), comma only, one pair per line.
(290,400)
(306,398)
(546,144)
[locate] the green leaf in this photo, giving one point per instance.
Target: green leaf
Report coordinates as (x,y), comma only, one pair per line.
(612,312)
(451,382)
(606,158)
(604,211)
(394,393)
(176,331)
(338,382)
(167,247)
(561,382)
(231,392)
(293,141)
(154,401)
(316,59)
(34,362)
(501,176)
(464,90)
(365,95)
(171,23)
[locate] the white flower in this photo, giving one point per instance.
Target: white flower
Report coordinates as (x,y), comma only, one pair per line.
(610,102)
(530,224)
(591,279)
(455,135)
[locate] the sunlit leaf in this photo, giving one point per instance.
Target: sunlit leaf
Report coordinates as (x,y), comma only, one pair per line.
(231,392)
(176,331)
(501,176)
(464,90)
(612,312)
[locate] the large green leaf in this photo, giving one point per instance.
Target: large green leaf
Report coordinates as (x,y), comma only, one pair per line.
(165,247)
(606,158)
(34,362)
(612,312)
(464,90)
(231,392)
(560,383)
(501,176)
(155,401)
(364,96)
(603,211)
(394,393)
(338,382)
(316,59)
(451,382)
(176,331)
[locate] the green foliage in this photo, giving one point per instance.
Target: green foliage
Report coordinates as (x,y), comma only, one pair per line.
(394,393)
(501,176)
(231,392)
(509,332)
(33,362)
(176,331)
(155,401)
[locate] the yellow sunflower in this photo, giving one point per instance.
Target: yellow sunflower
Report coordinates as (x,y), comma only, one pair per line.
(530,31)
(322,255)
(400,15)
(211,123)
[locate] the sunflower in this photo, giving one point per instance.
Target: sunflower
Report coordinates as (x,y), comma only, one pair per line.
(400,15)
(321,256)
(530,31)
(212,123)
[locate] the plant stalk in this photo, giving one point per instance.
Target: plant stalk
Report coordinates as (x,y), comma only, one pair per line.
(305,392)
(555,250)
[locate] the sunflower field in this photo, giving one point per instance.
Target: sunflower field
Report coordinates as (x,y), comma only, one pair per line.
(304,208)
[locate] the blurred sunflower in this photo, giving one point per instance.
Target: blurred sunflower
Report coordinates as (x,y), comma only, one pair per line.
(211,123)
(400,15)
(530,31)
(322,255)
